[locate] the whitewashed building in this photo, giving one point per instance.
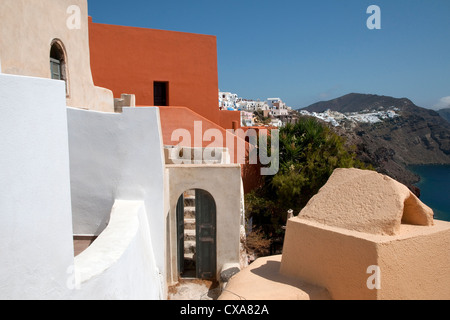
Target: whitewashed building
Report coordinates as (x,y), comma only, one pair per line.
(252,105)
(277,107)
(227,100)
(247,118)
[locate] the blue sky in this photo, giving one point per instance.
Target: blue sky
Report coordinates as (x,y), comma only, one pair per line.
(308,51)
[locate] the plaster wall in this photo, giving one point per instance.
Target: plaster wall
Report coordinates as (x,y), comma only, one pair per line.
(413,264)
(416,264)
(222,182)
(117,156)
(328,258)
(36,231)
(27,29)
(36,245)
(120,263)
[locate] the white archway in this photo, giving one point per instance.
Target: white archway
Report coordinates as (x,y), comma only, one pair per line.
(222,182)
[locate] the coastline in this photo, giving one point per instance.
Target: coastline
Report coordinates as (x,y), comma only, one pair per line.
(434,185)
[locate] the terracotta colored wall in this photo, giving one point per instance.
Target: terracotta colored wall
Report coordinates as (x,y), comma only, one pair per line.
(129,60)
(226,119)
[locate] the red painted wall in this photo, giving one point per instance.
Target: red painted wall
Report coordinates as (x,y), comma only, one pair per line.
(129,60)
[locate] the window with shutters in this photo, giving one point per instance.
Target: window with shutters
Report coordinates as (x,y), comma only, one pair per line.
(58,63)
(55,67)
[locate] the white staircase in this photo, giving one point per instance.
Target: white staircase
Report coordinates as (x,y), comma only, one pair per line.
(189,232)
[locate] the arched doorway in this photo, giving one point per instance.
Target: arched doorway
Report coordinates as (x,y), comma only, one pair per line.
(196,234)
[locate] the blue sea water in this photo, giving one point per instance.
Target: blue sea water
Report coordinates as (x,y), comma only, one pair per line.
(435,188)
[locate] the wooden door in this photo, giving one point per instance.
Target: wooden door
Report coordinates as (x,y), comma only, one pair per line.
(180,234)
(205,208)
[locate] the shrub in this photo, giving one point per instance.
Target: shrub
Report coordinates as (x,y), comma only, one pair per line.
(309,153)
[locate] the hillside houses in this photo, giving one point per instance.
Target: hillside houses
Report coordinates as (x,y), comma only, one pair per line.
(273,108)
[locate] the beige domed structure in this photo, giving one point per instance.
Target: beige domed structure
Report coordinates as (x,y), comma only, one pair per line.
(363,236)
(366,201)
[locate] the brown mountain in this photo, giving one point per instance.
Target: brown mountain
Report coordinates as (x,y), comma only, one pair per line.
(355,102)
(417,136)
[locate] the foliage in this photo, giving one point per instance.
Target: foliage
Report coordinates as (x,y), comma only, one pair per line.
(309,153)
(260,118)
(257,244)
(264,213)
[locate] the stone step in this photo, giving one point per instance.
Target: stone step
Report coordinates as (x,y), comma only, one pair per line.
(189,212)
(189,256)
(189,201)
(189,235)
(189,224)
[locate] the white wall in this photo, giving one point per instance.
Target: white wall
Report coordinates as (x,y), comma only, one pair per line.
(113,157)
(120,264)
(36,246)
(117,156)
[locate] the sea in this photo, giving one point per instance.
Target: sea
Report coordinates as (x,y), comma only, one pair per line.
(435,188)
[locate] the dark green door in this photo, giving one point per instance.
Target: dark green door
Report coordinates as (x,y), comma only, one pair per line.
(205,209)
(180,233)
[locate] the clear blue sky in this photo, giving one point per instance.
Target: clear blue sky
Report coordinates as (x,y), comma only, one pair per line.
(308,51)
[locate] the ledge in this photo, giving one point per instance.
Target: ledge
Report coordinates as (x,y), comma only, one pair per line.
(233,165)
(262,280)
(111,244)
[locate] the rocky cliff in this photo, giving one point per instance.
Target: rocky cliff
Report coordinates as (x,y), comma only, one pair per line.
(413,135)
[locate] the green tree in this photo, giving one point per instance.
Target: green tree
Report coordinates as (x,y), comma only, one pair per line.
(309,153)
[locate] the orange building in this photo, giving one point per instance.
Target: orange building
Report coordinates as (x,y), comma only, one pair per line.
(161,68)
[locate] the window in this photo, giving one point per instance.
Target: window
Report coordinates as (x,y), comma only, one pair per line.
(160,93)
(58,63)
(55,67)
